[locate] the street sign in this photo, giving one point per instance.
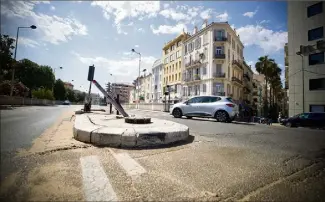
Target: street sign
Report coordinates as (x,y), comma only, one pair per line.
(91,73)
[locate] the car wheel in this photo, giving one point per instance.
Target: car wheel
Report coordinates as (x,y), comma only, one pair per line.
(189,117)
(177,113)
(289,124)
(222,116)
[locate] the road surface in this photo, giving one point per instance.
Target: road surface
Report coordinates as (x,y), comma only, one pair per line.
(221,162)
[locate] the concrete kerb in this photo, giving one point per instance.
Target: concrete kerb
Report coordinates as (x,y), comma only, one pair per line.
(108,130)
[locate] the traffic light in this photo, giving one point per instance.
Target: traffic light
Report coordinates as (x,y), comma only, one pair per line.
(91,73)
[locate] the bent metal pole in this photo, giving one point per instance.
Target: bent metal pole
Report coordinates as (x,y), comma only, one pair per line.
(111,99)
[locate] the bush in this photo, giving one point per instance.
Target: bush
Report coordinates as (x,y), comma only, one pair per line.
(19,88)
(43,94)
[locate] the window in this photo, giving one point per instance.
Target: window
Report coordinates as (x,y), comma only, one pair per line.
(185,49)
(198,43)
(317,84)
(317,108)
(171,57)
(219,50)
(316,58)
(178,54)
(214,99)
(195,99)
(316,33)
(204,87)
(315,9)
(204,70)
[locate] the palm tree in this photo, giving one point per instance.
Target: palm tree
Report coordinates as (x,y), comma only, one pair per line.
(275,81)
(265,66)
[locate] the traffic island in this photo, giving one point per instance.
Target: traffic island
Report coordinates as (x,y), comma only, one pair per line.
(133,131)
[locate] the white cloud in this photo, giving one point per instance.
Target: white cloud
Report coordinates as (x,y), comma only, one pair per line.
(222,17)
(52,8)
(166,5)
(167,29)
(141,30)
(233,26)
(206,14)
(172,14)
(136,46)
(125,67)
(270,41)
(250,14)
(28,42)
(54,29)
(264,21)
(122,10)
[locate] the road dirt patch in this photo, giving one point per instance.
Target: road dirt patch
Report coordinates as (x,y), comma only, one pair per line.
(49,182)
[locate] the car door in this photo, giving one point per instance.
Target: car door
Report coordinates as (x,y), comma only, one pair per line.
(190,108)
(208,105)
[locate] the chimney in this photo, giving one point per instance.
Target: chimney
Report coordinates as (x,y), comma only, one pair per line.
(205,23)
(195,30)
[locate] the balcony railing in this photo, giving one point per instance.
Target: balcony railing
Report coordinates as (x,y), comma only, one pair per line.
(237,63)
(247,90)
(197,77)
(193,63)
(255,94)
(192,78)
(219,56)
(219,75)
(247,77)
(220,38)
(215,92)
(236,80)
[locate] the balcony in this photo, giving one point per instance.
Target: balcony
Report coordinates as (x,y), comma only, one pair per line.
(196,77)
(237,64)
(247,90)
(255,94)
(219,75)
(217,93)
(219,56)
(236,80)
(193,63)
(247,77)
(220,39)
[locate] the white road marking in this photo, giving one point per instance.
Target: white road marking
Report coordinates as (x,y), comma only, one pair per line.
(132,168)
(96,184)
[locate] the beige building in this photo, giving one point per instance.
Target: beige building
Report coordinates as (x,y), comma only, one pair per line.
(213,62)
(248,84)
(157,84)
(145,88)
(123,90)
(306,27)
(258,93)
(172,66)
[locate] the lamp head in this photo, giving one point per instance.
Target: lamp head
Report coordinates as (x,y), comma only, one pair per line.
(33,27)
(132,50)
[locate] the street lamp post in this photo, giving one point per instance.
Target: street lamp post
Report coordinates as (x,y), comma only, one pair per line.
(114,82)
(138,80)
(55,77)
(13,68)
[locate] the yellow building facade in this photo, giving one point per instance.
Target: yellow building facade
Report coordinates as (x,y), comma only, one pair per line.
(172,66)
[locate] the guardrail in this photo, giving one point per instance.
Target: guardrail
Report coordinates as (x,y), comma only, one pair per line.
(19,101)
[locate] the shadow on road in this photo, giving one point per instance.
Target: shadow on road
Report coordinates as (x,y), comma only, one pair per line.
(213,120)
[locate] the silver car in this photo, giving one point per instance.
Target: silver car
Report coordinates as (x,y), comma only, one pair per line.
(219,107)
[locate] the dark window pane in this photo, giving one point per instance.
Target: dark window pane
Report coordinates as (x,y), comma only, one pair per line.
(229,99)
(315,9)
(316,33)
(214,99)
(316,58)
(205,99)
(317,84)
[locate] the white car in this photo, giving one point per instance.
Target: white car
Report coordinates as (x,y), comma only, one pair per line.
(219,107)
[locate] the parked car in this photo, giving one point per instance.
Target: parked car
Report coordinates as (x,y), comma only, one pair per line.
(221,108)
(67,102)
(310,119)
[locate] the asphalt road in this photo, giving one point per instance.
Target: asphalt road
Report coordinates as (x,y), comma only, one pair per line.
(221,162)
(21,125)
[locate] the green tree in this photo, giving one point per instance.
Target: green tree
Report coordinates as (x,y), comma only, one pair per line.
(43,93)
(6,52)
(71,96)
(59,90)
(33,75)
(80,97)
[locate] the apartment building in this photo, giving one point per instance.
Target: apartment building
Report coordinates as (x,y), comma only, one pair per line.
(68,85)
(172,66)
(306,27)
(123,90)
(258,93)
(248,84)
(157,84)
(286,66)
(145,91)
(213,62)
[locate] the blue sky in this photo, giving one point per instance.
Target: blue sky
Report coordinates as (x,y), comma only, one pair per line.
(76,34)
